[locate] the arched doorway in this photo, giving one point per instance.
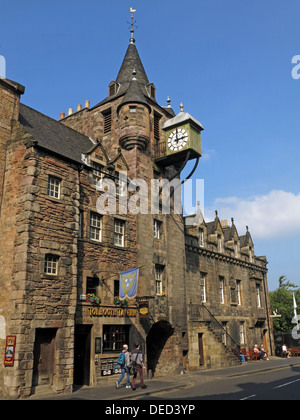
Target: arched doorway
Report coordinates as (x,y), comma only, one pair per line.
(156,339)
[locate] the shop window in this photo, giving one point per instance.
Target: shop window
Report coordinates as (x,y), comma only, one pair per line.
(114,336)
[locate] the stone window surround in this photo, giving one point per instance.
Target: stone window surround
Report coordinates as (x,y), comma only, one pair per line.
(54,253)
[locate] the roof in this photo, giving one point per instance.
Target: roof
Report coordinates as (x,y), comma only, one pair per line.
(131,62)
(133,83)
(181,118)
(54,136)
(134,94)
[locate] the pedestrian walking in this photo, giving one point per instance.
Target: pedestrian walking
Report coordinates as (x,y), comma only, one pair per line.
(124,362)
(137,361)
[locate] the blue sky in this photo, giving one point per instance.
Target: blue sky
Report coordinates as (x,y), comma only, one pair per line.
(229,62)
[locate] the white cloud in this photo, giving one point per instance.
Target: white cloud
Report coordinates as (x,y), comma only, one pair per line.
(276,214)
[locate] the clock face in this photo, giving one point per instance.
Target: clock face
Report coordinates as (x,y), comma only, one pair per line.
(177,139)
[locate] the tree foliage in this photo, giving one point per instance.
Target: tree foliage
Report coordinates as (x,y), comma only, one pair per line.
(282,303)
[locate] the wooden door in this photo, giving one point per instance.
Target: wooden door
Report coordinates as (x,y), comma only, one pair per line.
(82,352)
(44,349)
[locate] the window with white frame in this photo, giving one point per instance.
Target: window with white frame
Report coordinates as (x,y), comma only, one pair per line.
(242,333)
(121,184)
(157,229)
(201,237)
(119,232)
(220,245)
(258,296)
(221,290)
(158,279)
(54,187)
(203,287)
(97,174)
(95,227)
(51,265)
(238,291)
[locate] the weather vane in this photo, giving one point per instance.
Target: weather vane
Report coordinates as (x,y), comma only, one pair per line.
(132,25)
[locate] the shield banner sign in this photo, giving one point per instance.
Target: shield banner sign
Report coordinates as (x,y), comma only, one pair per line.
(128,283)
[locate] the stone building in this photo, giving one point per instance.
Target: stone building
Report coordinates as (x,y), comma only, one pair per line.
(200,283)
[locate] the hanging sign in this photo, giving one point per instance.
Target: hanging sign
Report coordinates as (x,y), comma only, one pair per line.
(128,283)
(10,350)
(144,309)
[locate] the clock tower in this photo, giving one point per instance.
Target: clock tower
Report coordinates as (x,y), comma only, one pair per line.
(182,139)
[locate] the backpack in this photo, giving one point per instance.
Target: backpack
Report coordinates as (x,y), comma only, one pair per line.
(121,359)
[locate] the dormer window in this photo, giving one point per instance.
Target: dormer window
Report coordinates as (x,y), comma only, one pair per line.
(97,174)
(151,91)
(112,88)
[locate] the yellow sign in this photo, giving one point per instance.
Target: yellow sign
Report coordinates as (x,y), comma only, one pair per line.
(113,312)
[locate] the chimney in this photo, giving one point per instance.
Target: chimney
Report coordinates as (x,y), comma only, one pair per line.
(79,107)
(70,111)
(62,115)
(87,104)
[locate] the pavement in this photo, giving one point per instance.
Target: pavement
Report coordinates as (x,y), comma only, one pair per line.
(107,391)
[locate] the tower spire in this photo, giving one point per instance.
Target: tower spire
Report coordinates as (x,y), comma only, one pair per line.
(132,25)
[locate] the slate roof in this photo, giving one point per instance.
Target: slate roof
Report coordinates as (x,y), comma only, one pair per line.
(132,61)
(54,136)
(134,94)
(133,90)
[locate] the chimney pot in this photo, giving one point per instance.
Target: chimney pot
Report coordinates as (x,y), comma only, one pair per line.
(62,115)
(79,107)
(70,111)
(87,104)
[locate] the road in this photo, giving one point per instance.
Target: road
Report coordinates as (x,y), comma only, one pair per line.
(281,384)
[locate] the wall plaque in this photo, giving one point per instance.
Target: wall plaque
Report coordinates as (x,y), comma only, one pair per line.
(10,347)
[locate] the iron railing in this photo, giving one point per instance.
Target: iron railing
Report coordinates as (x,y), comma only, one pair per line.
(201,312)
